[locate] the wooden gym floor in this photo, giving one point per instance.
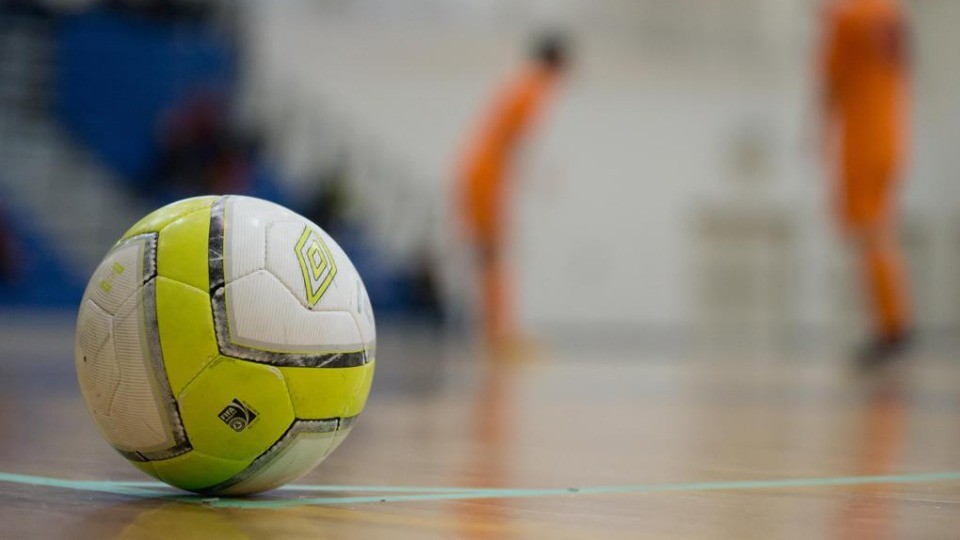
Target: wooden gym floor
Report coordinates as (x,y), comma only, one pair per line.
(568,444)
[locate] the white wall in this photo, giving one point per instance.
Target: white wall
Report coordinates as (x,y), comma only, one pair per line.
(639,138)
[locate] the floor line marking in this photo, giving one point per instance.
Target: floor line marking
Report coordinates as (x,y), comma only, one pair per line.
(599,490)
(120,488)
(148,488)
(411,494)
(328,488)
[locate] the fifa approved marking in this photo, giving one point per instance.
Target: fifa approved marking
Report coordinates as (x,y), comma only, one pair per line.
(237,415)
(316,264)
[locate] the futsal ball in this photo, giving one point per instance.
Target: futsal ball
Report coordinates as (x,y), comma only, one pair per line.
(225,345)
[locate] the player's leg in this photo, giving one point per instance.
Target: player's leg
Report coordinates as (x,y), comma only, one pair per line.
(476,208)
(493,286)
(873,224)
(885,276)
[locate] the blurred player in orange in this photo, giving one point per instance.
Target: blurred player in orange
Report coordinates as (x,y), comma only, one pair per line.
(865,103)
(484,176)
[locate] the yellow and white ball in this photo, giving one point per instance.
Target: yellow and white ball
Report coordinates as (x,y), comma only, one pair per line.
(225,345)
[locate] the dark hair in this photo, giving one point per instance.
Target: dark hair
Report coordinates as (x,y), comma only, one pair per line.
(551,49)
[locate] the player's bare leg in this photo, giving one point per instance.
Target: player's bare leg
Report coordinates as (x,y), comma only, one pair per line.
(885,279)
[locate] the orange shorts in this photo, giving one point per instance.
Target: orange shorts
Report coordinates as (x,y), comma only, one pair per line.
(866,195)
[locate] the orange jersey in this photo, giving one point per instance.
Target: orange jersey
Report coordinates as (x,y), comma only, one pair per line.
(485,166)
(866,76)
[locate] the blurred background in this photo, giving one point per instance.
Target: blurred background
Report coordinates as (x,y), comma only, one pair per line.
(672,196)
(669,205)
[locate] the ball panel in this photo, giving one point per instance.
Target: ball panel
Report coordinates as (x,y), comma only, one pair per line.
(306,261)
(118,277)
(138,413)
(196,471)
(182,249)
(287,325)
(363,312)
(328,393)
(157,220)
(340,436)
(96,358)
(187,338)
(93,329)
(136,420)
(244,245)
(235,409)
(349,294)
(295,460)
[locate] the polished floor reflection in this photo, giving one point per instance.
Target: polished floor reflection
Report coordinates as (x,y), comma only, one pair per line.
(701,447)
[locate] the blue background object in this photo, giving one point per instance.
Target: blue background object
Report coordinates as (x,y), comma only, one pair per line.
(119,76)
(42,278)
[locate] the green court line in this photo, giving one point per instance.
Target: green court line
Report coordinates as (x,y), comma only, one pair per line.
(335,488)
(411,494)
(600,490)
(145,488)
(139,489)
